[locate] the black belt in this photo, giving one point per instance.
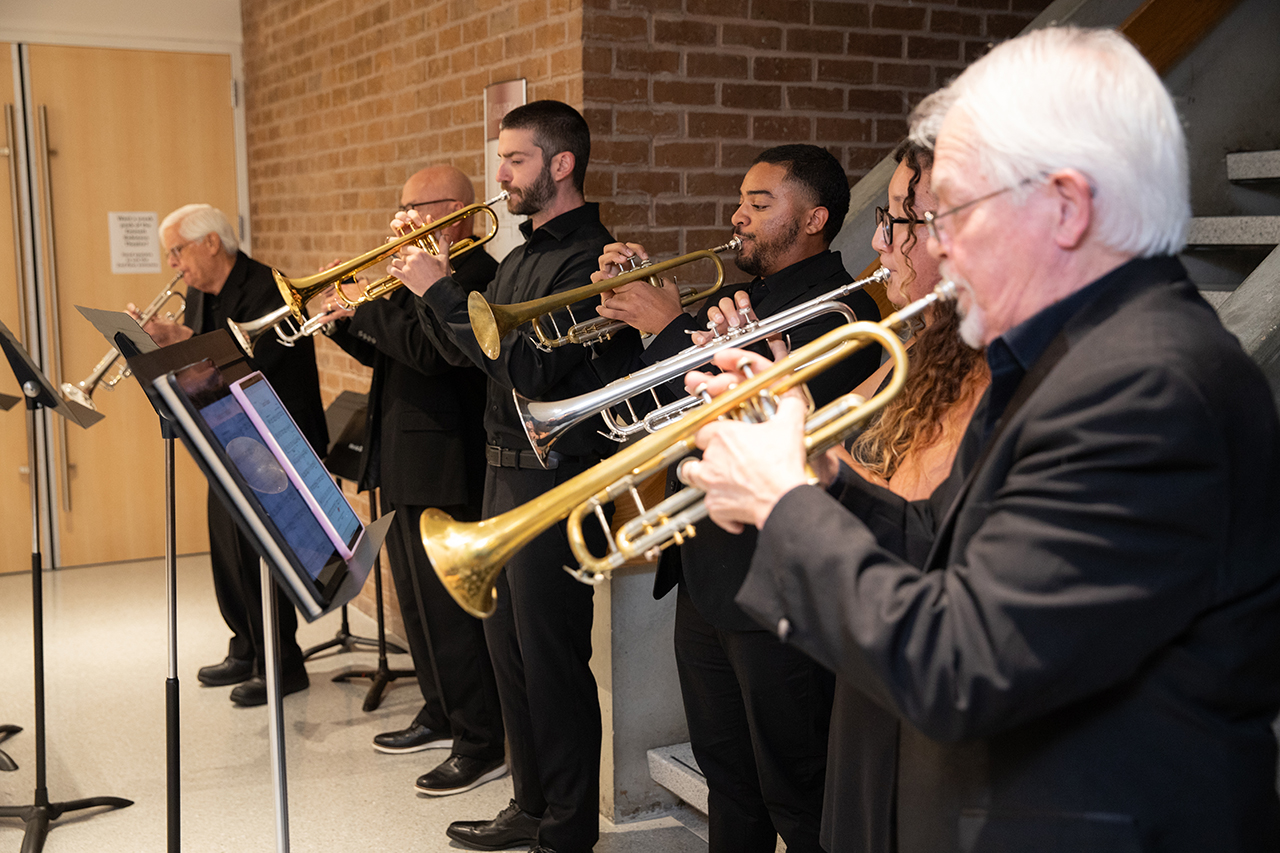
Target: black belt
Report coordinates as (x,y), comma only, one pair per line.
(502,457)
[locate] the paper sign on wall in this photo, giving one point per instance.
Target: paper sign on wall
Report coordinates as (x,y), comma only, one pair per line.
(134,245)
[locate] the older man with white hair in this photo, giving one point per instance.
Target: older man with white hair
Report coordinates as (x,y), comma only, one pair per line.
(1086,657)
(223,283)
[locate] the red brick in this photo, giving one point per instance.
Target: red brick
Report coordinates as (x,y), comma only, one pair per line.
(913,75)
(876,101)
(684,154)
(747,96)
(646,122)
(786,11)
(689,212)
(614,214)
(814,98)
(891,130)
(595,60)
(683,32)
(922,48)
(863,44)
(1005,26)
(618,91)
(704,125)
(781,68)
(862,159)
(614,152)
(812,40)
(715,65)
(713,183)
(750,35)
(681,92)
(649,182)
(782,128)
(616,28)
(886,17)
(851,71)
(845,129)
(942,21)
(733,9)
(841,13)
(648,61)
(739,156)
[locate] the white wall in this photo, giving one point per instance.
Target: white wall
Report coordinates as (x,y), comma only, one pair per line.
(155,24)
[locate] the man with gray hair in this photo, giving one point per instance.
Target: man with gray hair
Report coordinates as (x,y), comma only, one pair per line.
(1079,629)
(223,284)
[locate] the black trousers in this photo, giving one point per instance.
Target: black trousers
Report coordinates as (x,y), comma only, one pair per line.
(238,586)
(759,712)
(445,642)
(540,641)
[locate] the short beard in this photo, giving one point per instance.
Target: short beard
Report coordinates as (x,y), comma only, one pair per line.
(534,198)
(765,255)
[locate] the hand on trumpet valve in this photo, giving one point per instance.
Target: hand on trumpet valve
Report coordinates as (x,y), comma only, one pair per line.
(638,304)
(733,313)
(164,330)
(418,268)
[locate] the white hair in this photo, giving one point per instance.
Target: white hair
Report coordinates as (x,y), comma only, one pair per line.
(1084,99)
(196,220)
(926,118)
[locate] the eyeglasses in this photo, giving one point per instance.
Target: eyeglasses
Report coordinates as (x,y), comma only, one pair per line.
(885,222)
(932,220)
(174,253)
(414,205)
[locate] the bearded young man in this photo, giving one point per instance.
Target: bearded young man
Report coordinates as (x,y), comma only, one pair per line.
(758,710)
(539,636)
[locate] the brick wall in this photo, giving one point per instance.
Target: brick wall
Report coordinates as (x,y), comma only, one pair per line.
(345,99)
(682,94)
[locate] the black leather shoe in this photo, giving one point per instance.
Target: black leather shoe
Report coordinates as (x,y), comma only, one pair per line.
(254,691)
(513,827)
(230,671)
(459,773)
(413,739)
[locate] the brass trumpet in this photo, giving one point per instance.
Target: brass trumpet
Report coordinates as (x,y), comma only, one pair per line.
(491,323)
(82,391)
(280,321)
(468,556)
(297,292)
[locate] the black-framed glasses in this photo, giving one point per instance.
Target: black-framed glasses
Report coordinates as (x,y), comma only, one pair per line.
(414,205)
(931,219)
(885,222)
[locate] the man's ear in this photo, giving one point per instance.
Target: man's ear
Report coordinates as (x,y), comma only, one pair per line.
(1073,196)
(816,220)
(562,165)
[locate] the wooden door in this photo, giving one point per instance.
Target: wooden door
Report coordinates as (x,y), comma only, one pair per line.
(128,131)
(15,500)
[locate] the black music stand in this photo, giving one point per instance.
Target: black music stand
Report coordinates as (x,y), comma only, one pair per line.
(278,558)
(146,362)
(349,412)
(6,731)
(40,394)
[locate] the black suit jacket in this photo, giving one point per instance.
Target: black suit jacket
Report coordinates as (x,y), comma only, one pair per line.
(250,292)
(714,563)
(424,439)
(1087,660)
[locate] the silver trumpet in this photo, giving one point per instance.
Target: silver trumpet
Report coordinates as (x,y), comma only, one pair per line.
(280,321)
(82,391)
(545,422)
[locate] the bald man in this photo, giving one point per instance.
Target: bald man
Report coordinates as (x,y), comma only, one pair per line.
(424,447)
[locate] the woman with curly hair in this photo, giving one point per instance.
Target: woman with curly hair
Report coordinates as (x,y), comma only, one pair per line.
(909,448)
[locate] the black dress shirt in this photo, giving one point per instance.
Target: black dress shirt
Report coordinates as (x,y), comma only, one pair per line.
(558,256)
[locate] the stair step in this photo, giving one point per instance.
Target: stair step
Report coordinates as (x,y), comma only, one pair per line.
(1253,165)
(1234,231)
(674,768)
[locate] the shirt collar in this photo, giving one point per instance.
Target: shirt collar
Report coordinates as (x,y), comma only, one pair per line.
(808,272)
(564,224)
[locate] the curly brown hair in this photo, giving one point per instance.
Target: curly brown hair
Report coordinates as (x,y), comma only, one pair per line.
(941,363)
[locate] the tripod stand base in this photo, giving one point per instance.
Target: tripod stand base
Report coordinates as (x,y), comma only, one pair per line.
(345,641)
(380,677)
(38,818)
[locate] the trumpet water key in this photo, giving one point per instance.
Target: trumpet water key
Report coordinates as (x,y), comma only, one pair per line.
(467,556)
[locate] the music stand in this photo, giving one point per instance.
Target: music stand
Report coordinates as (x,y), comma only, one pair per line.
(279,535)
(146,362)
(40,394)
(343,462)
(7,402)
